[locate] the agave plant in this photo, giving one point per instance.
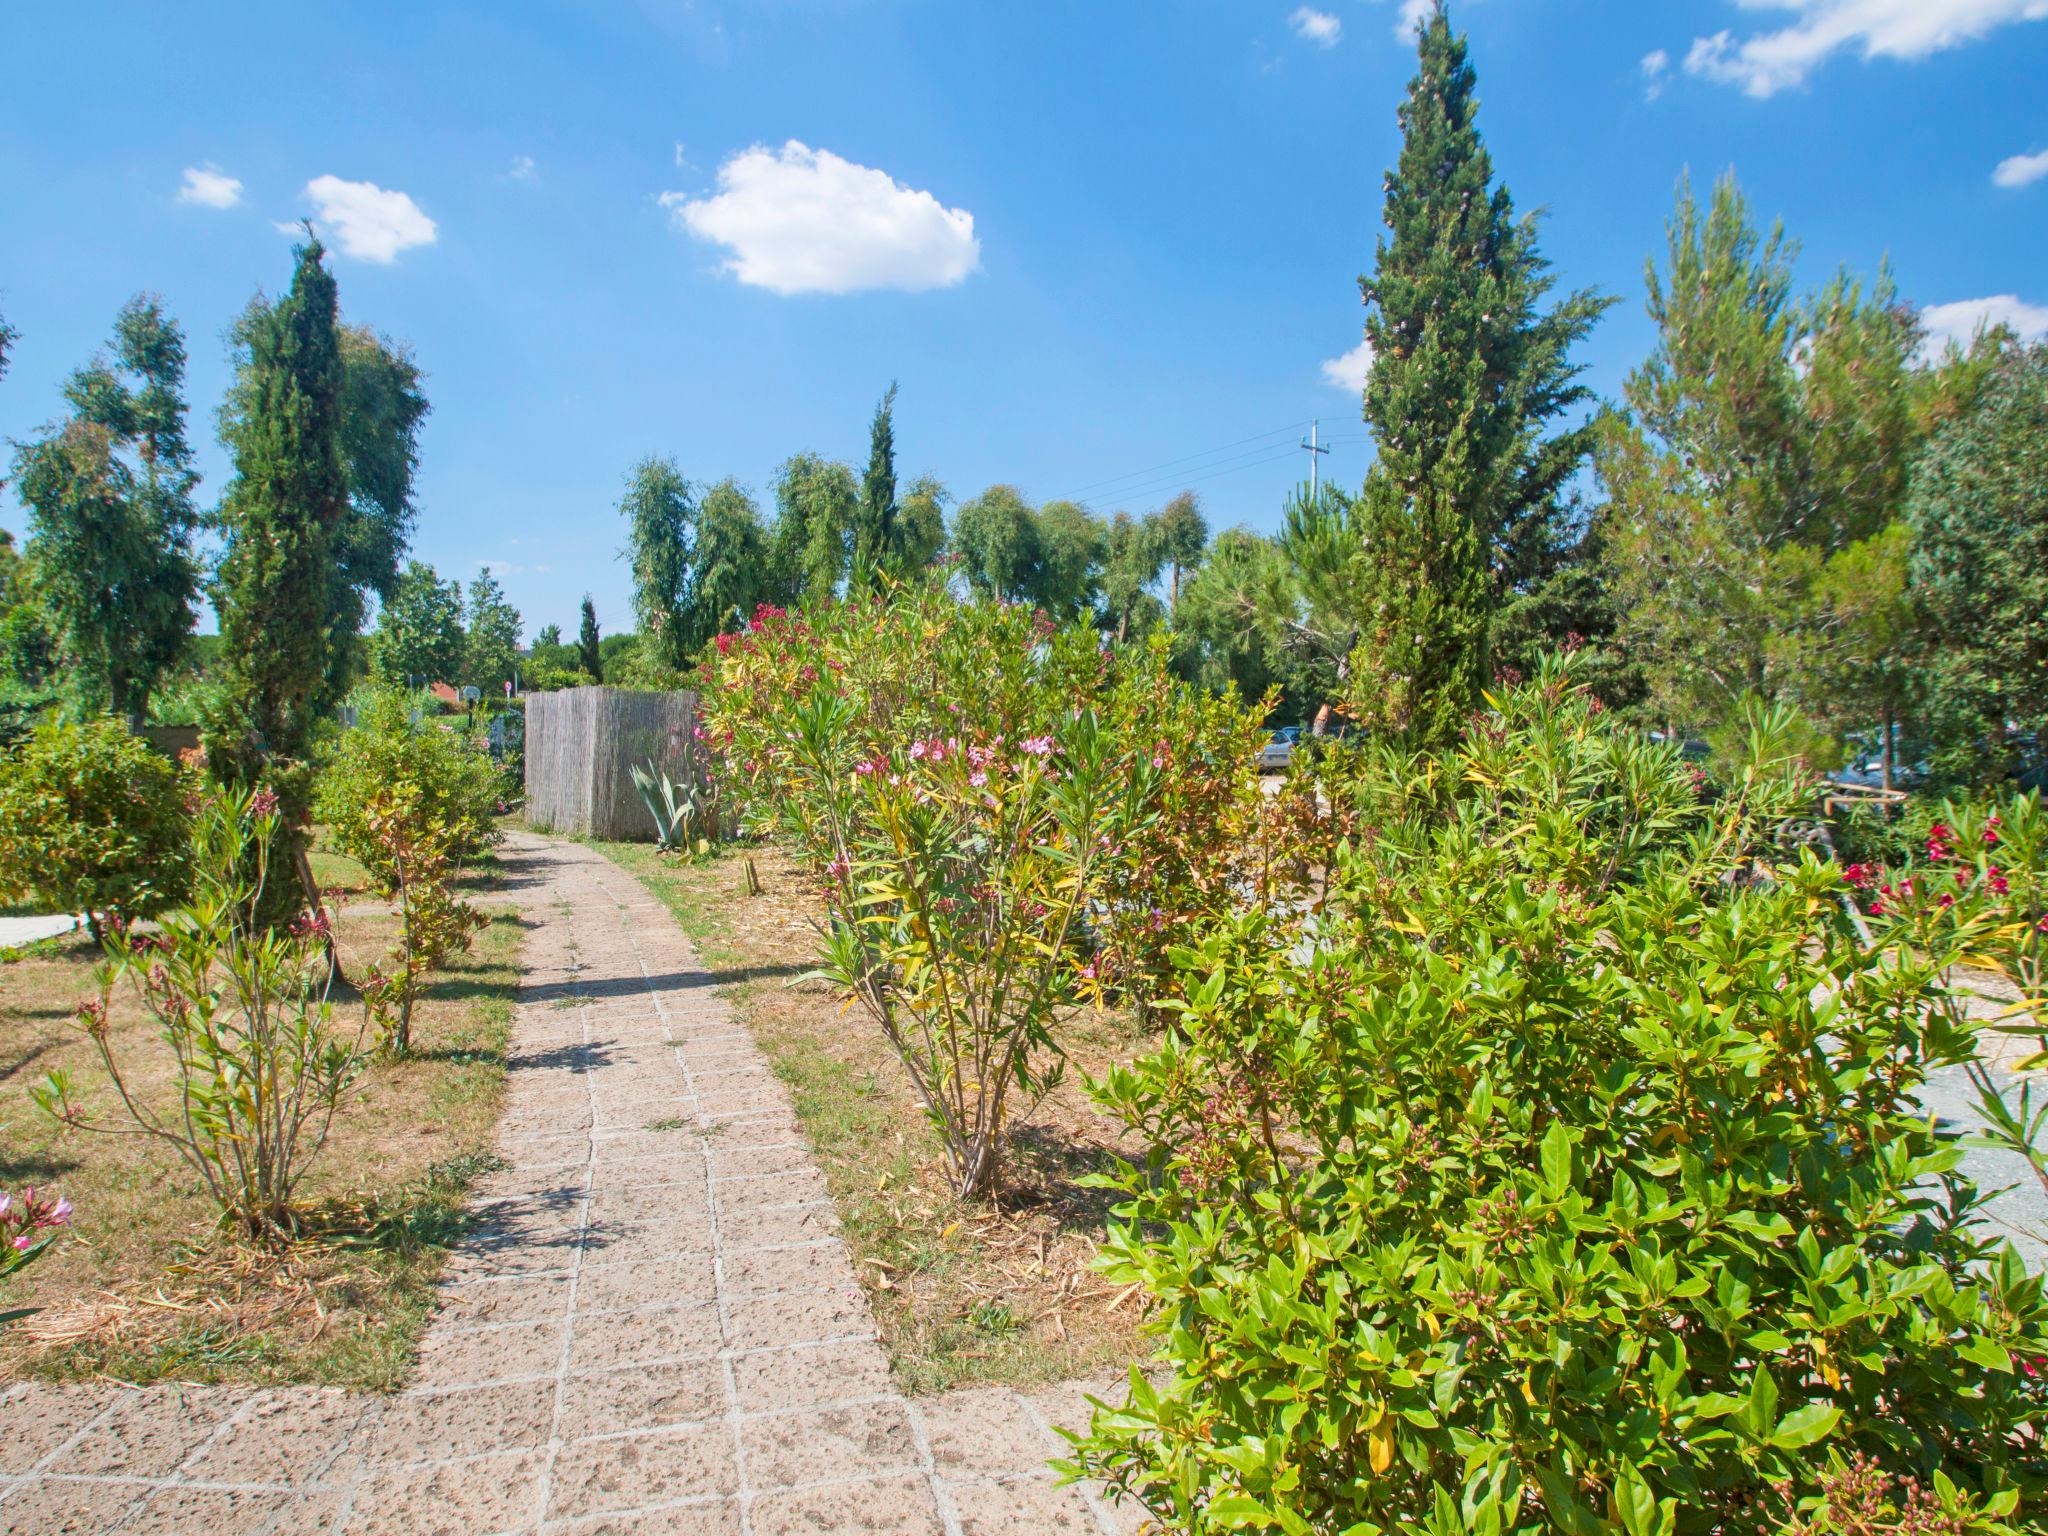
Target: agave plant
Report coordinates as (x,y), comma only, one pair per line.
(681,812)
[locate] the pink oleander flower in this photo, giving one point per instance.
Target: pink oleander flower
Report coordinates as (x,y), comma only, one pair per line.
(977,778)
(1038,746)
(1877,909)
(263,803)
(1947,900)
(1860,876)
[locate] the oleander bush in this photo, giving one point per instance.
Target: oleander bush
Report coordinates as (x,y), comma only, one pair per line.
(915,663)
(261,1063)
(91,820)
(1012,818)
(1562,1171)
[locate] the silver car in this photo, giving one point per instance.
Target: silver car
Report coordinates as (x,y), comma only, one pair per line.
(1278,751)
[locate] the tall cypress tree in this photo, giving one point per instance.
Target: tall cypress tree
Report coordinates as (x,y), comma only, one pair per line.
(1467,376)
(278,521)
(590,654)
(875,534)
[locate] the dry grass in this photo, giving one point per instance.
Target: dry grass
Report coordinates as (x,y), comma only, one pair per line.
(146,1287)
(964,1292)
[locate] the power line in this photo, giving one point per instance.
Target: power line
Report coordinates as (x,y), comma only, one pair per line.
(1274,455)
(1152,470)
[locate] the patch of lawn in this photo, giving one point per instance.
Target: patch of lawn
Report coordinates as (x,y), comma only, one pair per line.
(145,1287)
(984,1291)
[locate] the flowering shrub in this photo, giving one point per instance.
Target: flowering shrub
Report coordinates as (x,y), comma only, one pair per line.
(91,821)
(962,870)
(1561,1173)
(1979,895)
(914,663)
(259,1066)
(1011,818)
(27,1228)
(417,869)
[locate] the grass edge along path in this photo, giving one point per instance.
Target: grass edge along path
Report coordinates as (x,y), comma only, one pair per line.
(935,1272)
(369,1273)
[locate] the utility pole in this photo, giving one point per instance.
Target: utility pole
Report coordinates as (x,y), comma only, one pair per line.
(1314,449)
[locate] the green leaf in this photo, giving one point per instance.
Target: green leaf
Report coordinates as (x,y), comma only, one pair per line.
(1802,1426)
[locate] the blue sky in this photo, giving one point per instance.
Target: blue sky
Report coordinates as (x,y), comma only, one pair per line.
(1106,249)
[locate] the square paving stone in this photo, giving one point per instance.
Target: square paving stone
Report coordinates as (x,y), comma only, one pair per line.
(436,1426)
(888,1506)
(664,1278)
(783,1450)
(464,1498)
(288,1437)
(768,1229)
(984,1432)
(809,1376)
(480,1355)
(806,1319)
(1022,1507)
(228,1512)
(605,1340)
(820,1266)
(519,1299)
(633,1471)
(719,1517)
(54,1507)
(148,1433)
(643,1397)
(41,1418)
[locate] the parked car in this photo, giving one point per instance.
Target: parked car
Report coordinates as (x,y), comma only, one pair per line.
(1278,751)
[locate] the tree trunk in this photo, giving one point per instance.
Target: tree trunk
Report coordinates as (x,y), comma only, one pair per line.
(1887,745)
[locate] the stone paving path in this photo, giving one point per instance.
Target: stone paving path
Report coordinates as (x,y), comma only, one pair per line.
(654,1330)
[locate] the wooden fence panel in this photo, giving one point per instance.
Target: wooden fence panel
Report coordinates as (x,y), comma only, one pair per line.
(581,747)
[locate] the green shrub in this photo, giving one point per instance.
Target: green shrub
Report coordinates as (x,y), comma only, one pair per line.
(448,773)
(93,821)
(411,801)
(1566,1174)
(260,1065)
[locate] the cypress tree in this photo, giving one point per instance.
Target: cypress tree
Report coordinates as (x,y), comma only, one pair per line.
(274,587)
(875,533)
(278,522)
(1466,374)
(591,656)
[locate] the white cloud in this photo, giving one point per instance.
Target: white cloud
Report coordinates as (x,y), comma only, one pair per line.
(2020,170)
(210,187)
(1656,66)
(1318,27)
(522,168)
(1409,20)
(1961,321)
(367,221)
(803,220)
(1349,371)
(1767,62)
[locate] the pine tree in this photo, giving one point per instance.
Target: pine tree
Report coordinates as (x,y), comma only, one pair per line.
(588,650)
(1467,376)
(876,537)
(278,520)
(490,642)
